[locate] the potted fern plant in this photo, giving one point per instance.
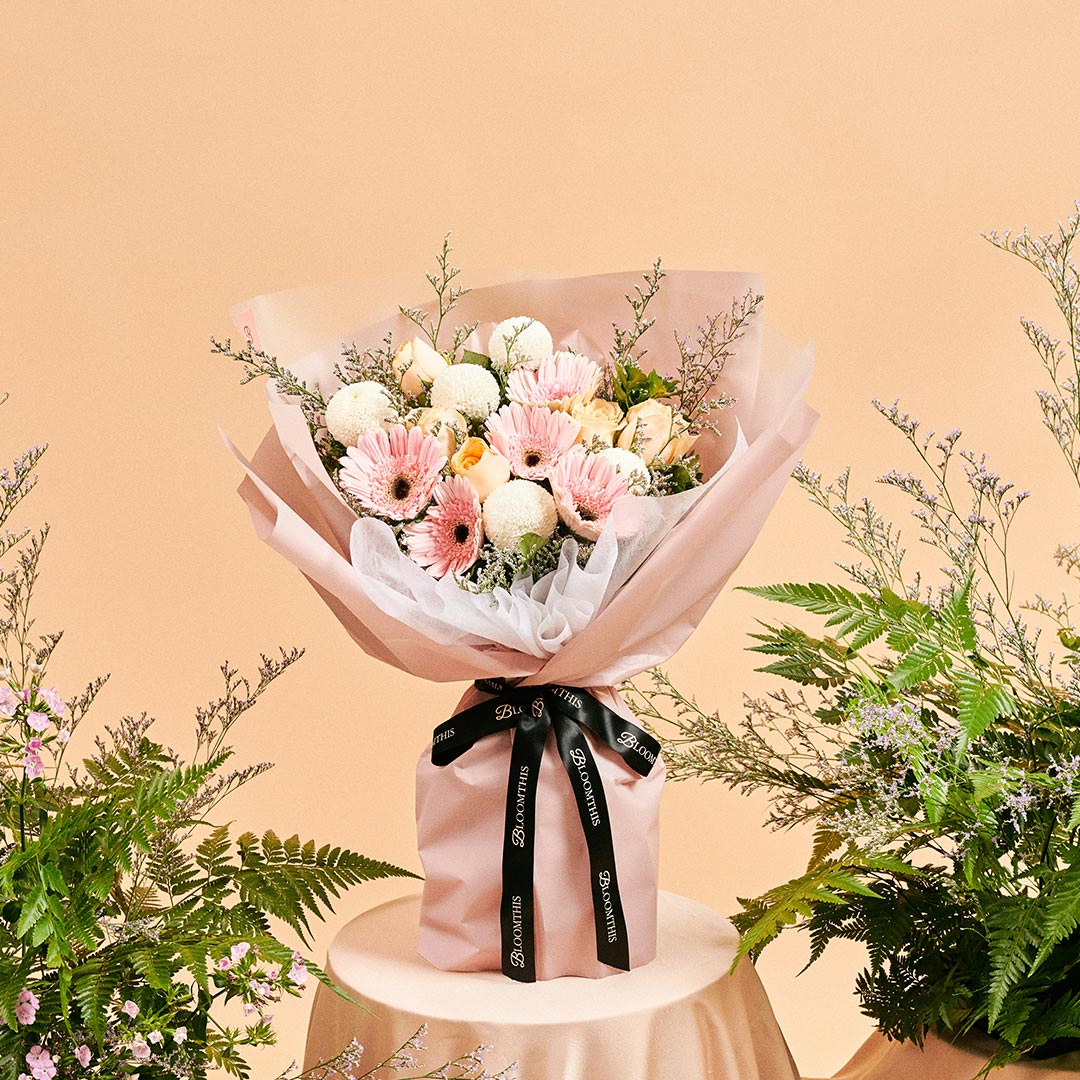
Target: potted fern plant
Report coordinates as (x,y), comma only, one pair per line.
(138,936)
(932,740)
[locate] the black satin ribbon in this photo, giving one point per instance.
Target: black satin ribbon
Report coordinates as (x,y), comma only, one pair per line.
(532,712)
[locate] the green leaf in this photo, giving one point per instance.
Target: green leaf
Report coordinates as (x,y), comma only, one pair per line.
(1062,914)
(980,703)
(631,386)
(766,917)
(93,991)
(922,662)
(1074,817)
(1014,932)
(530,544)
(470,357)
(956,615)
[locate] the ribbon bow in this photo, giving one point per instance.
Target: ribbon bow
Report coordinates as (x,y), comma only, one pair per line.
(532,712)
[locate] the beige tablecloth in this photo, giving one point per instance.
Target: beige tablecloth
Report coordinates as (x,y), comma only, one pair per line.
(682,1017)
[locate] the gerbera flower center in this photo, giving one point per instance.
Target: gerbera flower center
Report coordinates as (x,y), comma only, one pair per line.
(461,533)
(586,513)
(400,487)
(532,458)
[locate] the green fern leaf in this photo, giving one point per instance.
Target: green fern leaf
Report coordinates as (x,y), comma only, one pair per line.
(922,662)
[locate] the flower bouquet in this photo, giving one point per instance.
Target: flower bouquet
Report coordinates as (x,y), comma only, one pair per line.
(933,745)
(511,504)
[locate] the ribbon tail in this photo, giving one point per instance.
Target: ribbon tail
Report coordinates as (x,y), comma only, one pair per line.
(612,944)
(517,911)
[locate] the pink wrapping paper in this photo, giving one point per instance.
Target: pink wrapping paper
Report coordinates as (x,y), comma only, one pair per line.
(656,591)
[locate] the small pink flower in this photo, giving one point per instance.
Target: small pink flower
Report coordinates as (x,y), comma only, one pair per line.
(38,721)
(531,438)
(26,1007)
(393,473)
(33,766)
(559,381)
(9,701)
(586,488)
(249,1010)
(54,701)
(63,735)
(34,745)
(82,1055)
(180,1035)
(140,1049)
(154,1037)
(130,1008)
(41,1064)
(274,972)
(298,973)
(448,537)
(224,964)
(239,951)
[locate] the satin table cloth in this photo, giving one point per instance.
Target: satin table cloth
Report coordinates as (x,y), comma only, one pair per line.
(681,1017)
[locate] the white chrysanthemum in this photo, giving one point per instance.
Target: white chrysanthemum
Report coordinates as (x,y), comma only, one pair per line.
(514,509)
(357,409)
(466,388)
(531,342)
(632,469)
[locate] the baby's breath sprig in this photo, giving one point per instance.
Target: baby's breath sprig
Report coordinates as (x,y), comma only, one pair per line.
(373,365)
(701,361)
(347,1065)
(626,338)
(448,294)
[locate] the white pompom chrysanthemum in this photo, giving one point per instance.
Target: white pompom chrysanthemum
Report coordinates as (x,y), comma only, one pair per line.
(632,469)
(529,339)
(357,409)
(466,388)
(515,509)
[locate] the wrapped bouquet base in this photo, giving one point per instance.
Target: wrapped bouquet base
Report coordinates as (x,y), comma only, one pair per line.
(551,871)
(581,814)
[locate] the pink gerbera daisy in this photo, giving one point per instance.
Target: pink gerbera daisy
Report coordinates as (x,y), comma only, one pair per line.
(586,488)
(559,381)
(393,472)
(447,540)
(531,438)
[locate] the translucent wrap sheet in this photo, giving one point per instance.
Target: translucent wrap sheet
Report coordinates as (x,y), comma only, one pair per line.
(654,572)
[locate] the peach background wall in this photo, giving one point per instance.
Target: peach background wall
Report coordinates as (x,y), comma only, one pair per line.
(161,161)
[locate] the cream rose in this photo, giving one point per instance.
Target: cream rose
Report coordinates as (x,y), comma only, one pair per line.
(445,424)
(599,419)
(416,364)
(483,467)
(661,434)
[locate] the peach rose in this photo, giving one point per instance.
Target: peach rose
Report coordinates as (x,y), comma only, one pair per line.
(661,433)
(483,467)
(416,364)
(445,424)
(599,419)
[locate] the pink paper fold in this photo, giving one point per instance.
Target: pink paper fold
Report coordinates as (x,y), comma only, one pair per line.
(658,601)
